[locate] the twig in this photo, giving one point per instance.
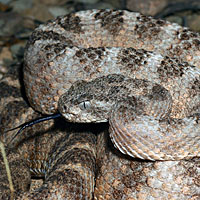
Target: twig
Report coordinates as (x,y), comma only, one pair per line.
(7,170)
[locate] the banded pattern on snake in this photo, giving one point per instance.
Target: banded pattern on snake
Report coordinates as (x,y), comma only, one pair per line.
(93,44)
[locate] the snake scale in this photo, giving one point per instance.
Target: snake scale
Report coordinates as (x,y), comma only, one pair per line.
(140,73)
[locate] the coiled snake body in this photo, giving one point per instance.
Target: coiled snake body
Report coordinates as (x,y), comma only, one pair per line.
(91,44)
(140,73)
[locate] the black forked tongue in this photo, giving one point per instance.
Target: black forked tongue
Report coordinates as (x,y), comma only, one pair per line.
(31,123)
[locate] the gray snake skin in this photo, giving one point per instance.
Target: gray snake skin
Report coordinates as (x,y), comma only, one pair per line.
(100,53)
(66,54)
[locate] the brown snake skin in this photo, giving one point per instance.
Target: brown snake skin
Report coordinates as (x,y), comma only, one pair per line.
(33,156)
(67,154)
(90,44)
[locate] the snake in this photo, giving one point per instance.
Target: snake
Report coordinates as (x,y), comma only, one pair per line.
(138,73)
(92,44)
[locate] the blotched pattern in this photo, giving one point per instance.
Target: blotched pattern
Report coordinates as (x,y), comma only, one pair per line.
(91,44)
(84,46)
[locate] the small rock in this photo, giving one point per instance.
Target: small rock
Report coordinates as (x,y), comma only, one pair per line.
(194,22)
(5,54)
(39,12)
(175,19)
(21,5)
(4,7)
(86,1)
(120,4)
(17,50)
(3,69)
(57,11)
(1,75)
(100,5)
(51,2)
(146,7)
(9,23)
(5,1)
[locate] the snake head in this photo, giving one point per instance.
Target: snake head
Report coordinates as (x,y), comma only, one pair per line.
(92,101)
(84,102)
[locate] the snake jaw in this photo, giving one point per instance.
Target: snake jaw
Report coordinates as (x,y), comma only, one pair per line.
(75,114)
(80,113)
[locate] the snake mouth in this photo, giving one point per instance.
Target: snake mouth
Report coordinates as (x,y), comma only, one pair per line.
(83,118)
(69,117)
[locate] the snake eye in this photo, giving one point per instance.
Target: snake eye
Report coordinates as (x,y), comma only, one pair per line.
(84,105)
